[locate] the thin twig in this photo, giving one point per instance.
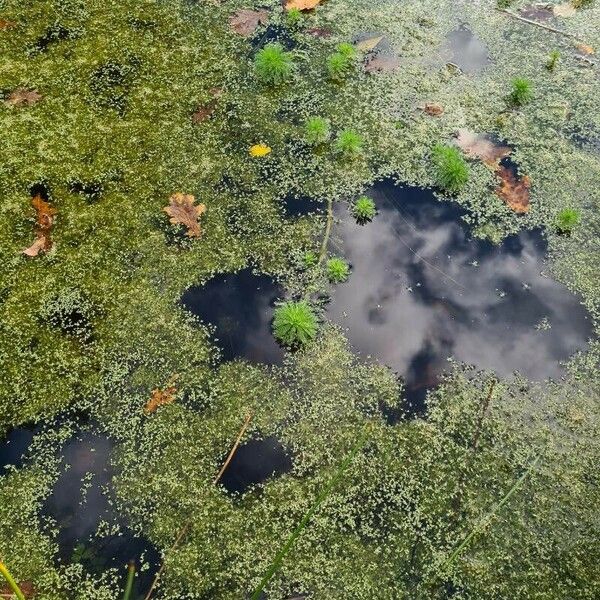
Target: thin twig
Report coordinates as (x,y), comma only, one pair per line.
(327,231)
(531,22)
(482,415)
(186,526)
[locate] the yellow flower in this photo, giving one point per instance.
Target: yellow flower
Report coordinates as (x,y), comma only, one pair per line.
(259,150)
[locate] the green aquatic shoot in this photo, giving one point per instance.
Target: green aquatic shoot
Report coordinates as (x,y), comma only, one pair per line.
(349,143)
(317,131)
(451,169)
(341,62)
(553,59)
(273,65)
(338,270)
(12,584)
(310,259)
(294,323)
(522,91)
(364,209)
(130,580)
(567,219)
(293,17)
(278,560)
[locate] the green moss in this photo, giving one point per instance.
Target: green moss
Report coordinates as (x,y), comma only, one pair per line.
(522,91)
(349,143)
(317,131)
(273,65)
(451,169)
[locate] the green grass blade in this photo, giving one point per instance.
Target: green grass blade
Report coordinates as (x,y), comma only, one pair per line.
(11,582)
(278,560)
(488,517)
(130,580)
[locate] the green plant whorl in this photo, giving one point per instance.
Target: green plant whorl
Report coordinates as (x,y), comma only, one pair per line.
(338,270)
(273,65)
(349,143)
(294,323)
(364,209)
(317,131)
(567,219)
(451,169)
(522,91)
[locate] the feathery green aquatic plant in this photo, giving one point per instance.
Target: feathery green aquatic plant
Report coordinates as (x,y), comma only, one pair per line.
(340,63)
(451,169)
(310,259)
(364,209)
(567,219)
(293,17)
(317,131)
(522,91)
(338,270)
(553,59)
(349,143)
(294,323)
(273,65)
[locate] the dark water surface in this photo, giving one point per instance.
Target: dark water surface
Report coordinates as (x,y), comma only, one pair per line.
(465,50)
(240,307)
(422,291)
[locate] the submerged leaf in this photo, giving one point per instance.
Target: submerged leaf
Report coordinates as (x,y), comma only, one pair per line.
(369,44)
(182,211)
(514,190)
(259,150)
(536,12)
(23,97)
(26,588)
(245,21)
(477,145)
(381,63)
(161,397)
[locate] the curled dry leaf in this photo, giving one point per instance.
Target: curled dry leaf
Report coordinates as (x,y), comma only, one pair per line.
(433,109)
(301,4)
(259,150)
(182,211)
(245,21)
(45,214)
(566,9)
(481,146)
(23,97)
(161,397)
(514,190)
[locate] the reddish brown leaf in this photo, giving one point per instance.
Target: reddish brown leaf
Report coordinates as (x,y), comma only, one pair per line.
(381,63)
(203,112)
(182,211)
(23,97)
(481,146)
(584,49)
(301,4)
(25,586)
(161,397)
(245,21)
(6,24)
(433,109)
(536,12)
(514,190)
(44,221)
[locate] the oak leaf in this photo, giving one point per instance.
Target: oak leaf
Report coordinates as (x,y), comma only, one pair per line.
(259,150)
(514,190)
(320,32)
(245,21)
(45,214)
(162,397)
(182,211)
(477,145)
(301,4)
(23,97)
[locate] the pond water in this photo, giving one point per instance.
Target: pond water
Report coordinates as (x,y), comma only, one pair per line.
(465,50)
(240,307)
(422,291)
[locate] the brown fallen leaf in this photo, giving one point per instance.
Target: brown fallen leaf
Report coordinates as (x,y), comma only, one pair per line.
(585,49)
(203,112)
(478,145)
(23,97)
(566,9)
(161,397)
(45,214)
(182,211)
(514,190)
(320,32)
(433,109)
(381,63)
(301,4)
(6,24)
(536,12)
(25,586)
(245,21)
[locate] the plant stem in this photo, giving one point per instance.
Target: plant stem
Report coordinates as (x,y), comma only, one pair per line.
(11,582)
(234,448)
(325,243)
(130,580)
(488,517)
(278,560)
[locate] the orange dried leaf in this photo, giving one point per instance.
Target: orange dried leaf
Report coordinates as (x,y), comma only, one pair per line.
(41,244)
(160,398)
(514,190)
(6,24)
(433,109)
(203,112)
(302,4)
(245,21)
(44,221)
(23,97)
(182,211)
(477,145)
(585,49)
